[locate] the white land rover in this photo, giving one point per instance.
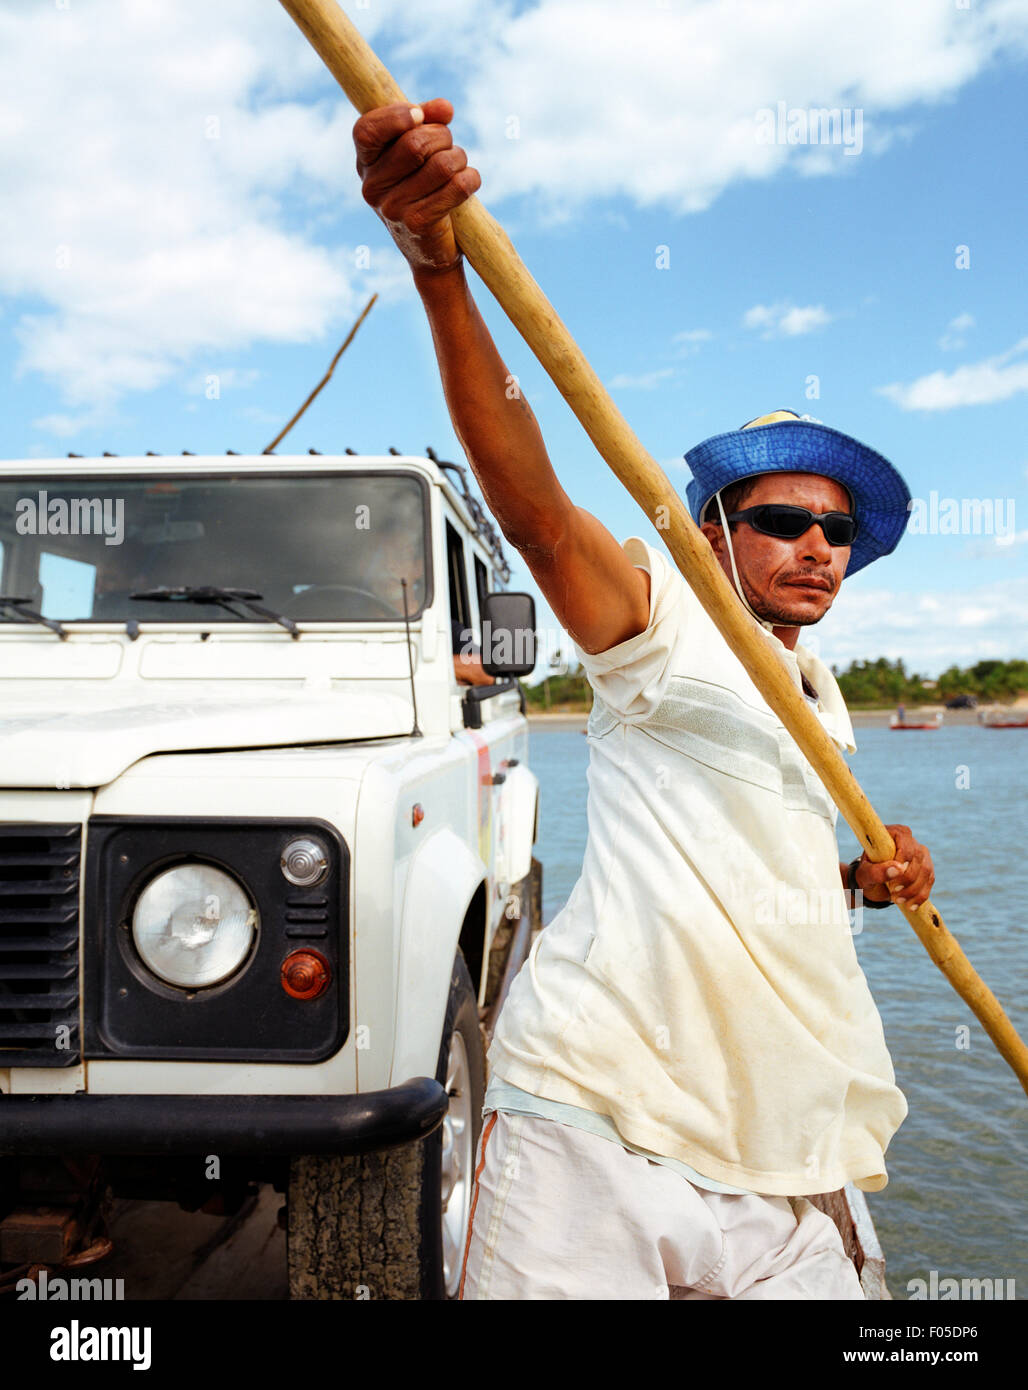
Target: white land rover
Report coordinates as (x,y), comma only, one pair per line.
(265,861)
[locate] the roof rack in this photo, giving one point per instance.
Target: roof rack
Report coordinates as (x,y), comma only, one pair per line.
(484,528)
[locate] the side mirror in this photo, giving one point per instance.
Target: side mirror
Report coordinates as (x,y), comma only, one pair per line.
(508,634)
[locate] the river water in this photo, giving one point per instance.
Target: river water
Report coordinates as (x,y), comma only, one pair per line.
(957,1196)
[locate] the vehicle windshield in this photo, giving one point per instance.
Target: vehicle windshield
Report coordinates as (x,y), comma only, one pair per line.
(329,547)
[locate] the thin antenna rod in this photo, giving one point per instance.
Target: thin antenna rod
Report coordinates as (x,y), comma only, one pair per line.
(324,380)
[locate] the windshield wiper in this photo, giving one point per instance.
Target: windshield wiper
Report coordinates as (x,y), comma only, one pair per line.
(16,606)
(224,598)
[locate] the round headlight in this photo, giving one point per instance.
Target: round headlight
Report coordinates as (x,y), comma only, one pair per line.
(304,862)
(194,925)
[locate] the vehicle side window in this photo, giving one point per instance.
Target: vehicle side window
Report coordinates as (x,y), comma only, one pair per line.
(481,584)
(460,609)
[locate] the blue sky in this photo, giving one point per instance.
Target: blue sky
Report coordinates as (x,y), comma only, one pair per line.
(180,203)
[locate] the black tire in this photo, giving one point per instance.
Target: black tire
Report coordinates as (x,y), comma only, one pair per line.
(462,1017)
(370,1225)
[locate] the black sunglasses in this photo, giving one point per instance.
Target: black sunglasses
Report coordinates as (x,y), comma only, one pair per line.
(787,523)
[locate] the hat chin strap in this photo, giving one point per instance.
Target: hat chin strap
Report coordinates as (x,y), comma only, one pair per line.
(764,623)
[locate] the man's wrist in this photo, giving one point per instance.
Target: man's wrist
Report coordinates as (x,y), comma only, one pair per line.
(430,273)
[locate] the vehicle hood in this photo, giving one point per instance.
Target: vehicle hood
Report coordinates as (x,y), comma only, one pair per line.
(82,736)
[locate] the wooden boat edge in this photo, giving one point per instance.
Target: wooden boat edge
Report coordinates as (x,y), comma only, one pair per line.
(849,1210)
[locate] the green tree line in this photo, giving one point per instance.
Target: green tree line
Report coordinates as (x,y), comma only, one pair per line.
(884,682)
(566,694)
(864,684)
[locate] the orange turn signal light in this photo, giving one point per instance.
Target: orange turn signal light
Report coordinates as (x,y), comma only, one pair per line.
(306,974)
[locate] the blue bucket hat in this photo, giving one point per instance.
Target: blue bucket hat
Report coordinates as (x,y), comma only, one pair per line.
(783,443)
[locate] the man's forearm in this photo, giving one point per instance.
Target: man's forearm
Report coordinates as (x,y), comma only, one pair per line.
(492,420)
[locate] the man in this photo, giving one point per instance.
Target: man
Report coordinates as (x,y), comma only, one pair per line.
(392,553)
(467,659)
(682,1057)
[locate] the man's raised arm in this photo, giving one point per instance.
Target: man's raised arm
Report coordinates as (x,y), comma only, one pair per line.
(413,176)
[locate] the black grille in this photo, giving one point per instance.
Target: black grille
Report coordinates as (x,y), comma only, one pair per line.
(39,945)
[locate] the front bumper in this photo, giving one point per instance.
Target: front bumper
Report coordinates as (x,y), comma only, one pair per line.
(280,1126)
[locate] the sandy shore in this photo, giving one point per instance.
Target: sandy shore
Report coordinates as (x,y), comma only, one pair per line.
(862,718)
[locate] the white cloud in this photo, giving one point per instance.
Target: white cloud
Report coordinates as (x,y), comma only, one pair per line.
(691,340)
(179,182)
(664,103)
(67,424)
(982,383)
(785,320)
(223,379)
(154,156)
(1015,538)
(259,416)
(967,615)
(922,628)
(952,339)
(645,381)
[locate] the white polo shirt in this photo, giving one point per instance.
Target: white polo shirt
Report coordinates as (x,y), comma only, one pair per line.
(701,987)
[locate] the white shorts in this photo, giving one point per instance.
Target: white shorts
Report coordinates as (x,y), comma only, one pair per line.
(560,1213)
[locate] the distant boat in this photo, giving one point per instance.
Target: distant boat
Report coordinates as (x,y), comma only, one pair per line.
(998,719)
(902,724)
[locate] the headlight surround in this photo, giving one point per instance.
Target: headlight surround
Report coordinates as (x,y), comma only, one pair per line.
(194,925)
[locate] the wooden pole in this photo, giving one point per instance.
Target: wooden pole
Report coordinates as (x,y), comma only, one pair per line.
(487,247)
